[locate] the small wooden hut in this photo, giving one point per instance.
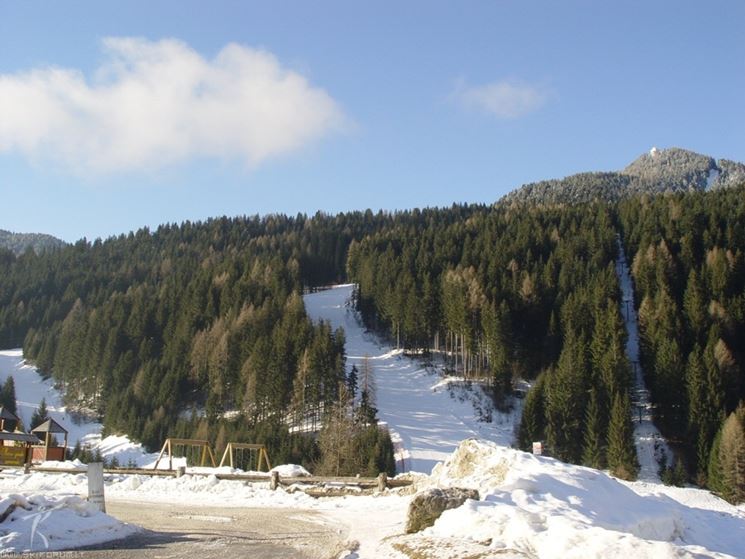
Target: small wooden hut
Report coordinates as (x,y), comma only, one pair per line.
(45,431)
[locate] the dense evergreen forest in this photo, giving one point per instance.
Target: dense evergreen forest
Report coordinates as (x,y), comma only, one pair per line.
(515,292)
(689,274)
(145,327)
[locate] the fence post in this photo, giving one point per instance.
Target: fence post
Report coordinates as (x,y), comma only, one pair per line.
(274,482)
(382,481)
(180,471)
(95,485)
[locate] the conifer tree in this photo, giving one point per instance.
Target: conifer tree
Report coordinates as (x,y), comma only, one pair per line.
(732,458)
(8,395)
(714,479)
(40,415)
(533,418)
(566,397)
(622,459)
(352,379)
(593,454)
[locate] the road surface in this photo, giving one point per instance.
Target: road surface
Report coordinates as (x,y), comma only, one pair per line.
(175,532)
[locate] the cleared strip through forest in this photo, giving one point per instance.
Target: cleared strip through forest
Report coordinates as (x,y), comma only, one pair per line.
(650,444)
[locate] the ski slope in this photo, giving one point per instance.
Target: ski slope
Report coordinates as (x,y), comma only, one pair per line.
(650,444)
(31,388)
(427,416)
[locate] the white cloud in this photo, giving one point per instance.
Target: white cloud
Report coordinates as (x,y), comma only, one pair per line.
(155,103)
(505,99)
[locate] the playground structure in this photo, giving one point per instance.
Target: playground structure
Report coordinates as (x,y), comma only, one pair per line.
(193,444)
(232,448)
(198,452)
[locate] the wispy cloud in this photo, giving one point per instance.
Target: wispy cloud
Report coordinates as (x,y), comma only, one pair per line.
(153,103)
(506,99)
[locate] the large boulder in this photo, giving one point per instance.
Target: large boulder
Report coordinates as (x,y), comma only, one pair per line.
(426,507)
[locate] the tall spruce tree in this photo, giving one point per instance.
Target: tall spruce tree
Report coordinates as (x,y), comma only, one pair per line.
(8,395)
(732,458)
(622,459)
(533,419)
(593,454)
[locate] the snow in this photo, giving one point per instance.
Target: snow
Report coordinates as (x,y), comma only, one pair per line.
(43,523)
(529,505)
(532,505)
(712,178)
(291,470)
(31,387)
(545,508)
(651,446)
(426,418)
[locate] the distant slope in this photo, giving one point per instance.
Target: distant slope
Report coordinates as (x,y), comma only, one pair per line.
(19,242)
(660,170)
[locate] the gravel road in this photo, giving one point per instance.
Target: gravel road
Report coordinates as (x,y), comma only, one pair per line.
(175,531)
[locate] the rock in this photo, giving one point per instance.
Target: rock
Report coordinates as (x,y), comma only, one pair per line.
(426,507)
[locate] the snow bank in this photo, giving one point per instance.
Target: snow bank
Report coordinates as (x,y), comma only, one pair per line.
(42,523)
(545,508)
(291,470)
(206,490)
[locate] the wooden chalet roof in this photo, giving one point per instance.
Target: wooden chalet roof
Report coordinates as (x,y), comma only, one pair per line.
(5,413)
(49,426)
(18,436)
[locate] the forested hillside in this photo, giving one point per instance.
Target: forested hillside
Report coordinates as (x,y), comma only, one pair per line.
(20,242)
(508,293)
(142,327)
(689,273)
(145,327)
(656,172)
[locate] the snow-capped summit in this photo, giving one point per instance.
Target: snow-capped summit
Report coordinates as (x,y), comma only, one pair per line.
(654,151)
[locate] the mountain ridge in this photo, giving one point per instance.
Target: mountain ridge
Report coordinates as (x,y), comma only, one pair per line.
(655,172)
(19,242)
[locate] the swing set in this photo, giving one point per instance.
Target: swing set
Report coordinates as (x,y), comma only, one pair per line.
(235,454)
(192,447)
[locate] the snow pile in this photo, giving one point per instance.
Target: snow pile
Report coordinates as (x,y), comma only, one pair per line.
(42,523)
(207,490)
(291,470)
(545,508)
(64,465)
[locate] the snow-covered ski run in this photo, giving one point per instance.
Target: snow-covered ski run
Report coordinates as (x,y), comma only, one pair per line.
(650,444)
(427,415)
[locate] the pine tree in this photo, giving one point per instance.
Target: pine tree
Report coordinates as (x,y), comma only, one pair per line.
(622,459)
(566,396)
(732,458)
(533,419)
(352,379)
(714,479)
(40,415)
(594,451)
(8,395)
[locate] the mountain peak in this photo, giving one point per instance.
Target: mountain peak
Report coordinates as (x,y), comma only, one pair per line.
(658,170)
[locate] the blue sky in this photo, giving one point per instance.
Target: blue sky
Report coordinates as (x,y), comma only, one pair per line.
(118,115)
